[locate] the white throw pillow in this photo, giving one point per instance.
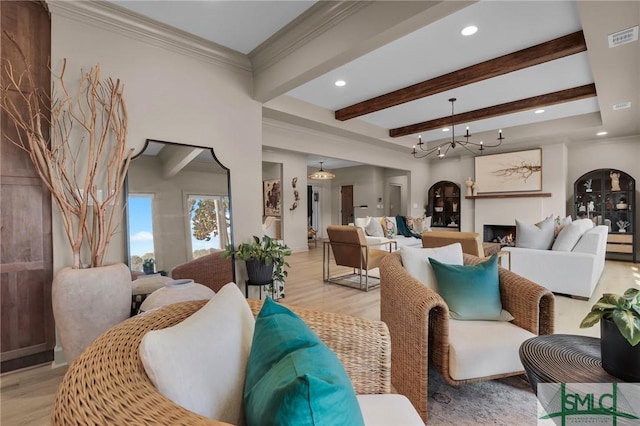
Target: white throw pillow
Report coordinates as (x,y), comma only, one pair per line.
(416,261)
(374,228)
(200,363)
(571,234)
(535,236)
(361,222)
(561,223)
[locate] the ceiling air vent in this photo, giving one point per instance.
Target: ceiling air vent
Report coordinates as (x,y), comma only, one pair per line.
(621,105)
(623,37)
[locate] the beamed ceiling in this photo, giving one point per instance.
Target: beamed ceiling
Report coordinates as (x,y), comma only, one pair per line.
(403,60)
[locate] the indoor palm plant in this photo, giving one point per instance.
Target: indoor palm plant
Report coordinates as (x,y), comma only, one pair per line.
(75,136)
(265,260)
(619,317)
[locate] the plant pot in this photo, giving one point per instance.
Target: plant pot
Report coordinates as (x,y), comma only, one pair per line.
(148,269)
(87,302)
(619,358)
(259,272)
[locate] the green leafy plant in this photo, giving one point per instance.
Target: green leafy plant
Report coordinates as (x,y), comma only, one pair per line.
(623,310)
(268,250)
(148,263)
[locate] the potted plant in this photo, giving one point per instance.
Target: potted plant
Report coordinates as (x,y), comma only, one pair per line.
(148,266)
(75,136)
(619,317)
(265,260)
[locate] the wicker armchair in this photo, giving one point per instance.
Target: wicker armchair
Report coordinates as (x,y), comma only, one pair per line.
(107,384)
(418,321)
(210,270)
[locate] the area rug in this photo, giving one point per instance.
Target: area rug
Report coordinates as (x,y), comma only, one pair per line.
(507,401)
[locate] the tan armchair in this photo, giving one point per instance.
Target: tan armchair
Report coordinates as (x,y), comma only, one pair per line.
(349,247)
(422,334)
(471,241)
(210,270)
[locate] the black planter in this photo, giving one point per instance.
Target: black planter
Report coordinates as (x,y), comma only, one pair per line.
(619,358)
(259,272)
(148,269)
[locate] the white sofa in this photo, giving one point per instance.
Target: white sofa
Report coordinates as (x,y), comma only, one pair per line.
(401,240)
(574,272)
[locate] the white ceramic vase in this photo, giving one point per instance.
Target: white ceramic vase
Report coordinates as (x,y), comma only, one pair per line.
(87,302)
(176,291)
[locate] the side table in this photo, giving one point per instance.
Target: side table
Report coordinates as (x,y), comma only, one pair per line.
(248,283)
(563,358)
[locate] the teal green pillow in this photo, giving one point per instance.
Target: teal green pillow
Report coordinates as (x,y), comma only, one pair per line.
(472,292)
(293,378)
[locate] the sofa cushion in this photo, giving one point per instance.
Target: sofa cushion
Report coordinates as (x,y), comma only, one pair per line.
(374,228)
(389,226)
(571,234)
(388,409)
(293,378)
(560,224)
(472,292)
(496,343)
(419,224)
(200,363)
(535,236)
(416,261)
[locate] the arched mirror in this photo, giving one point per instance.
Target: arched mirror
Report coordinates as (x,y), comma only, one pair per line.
(178,208)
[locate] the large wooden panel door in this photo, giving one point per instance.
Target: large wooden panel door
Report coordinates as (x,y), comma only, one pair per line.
(346,192)
(26,260)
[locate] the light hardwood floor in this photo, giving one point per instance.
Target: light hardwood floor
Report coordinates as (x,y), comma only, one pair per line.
(26,396)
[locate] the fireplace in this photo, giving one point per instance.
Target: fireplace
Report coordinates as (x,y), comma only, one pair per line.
(503,234)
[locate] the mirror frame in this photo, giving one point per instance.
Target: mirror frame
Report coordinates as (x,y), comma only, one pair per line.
(126,196)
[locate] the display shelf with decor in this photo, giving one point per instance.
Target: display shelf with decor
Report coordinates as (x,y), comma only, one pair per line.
(607,196)
(444,205)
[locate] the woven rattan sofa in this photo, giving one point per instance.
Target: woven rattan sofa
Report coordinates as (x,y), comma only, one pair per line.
(419,324)
(107,384)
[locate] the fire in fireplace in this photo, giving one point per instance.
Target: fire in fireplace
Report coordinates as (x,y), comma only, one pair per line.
(503,234)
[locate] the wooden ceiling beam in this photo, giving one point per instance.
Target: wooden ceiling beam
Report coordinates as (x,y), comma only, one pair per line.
(568,95)
(535,55)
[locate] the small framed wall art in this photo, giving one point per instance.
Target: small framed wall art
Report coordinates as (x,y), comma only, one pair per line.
(271,197)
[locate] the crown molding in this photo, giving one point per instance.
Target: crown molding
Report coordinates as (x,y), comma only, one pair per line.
(130,24)
(317,20)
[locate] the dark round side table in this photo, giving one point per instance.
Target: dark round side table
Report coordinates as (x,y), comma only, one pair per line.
(563,358)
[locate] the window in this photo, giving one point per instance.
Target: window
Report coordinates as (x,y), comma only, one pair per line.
(209,223)
(140,208)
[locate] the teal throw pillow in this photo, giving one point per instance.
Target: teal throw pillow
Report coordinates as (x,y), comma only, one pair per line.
(293,378)
(472,292)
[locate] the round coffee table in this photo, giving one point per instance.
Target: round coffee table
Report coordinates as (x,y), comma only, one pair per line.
(563,358)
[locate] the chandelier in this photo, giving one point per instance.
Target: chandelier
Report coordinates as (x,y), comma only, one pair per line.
(442,149)
(321,174)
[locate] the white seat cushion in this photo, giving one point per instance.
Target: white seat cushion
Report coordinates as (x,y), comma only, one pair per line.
(484,348)
(388,409)
(200,363)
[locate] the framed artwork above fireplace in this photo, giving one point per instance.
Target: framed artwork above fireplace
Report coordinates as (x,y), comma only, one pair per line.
(519,171)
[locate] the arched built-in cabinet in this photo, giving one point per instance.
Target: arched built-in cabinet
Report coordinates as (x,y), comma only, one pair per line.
(444,205)
(607,196)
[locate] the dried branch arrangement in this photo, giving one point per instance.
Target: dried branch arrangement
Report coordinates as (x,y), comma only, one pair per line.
(77,143)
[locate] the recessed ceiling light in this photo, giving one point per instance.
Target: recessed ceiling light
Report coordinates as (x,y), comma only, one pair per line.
(446,129)
(340,83)
(539,111)
(470,30)
(601,133)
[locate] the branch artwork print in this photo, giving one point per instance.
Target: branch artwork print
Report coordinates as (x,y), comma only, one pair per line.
(509,172)
(523,171)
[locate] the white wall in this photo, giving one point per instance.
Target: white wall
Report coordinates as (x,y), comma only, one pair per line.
(294,222)
(176,98)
